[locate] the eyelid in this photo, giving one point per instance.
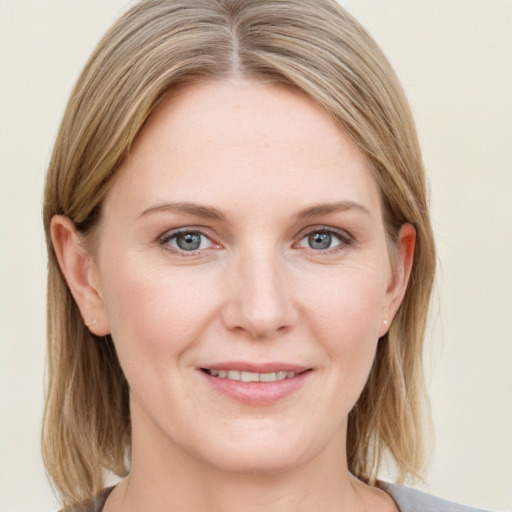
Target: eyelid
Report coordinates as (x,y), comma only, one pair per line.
(345,238)
(164,239)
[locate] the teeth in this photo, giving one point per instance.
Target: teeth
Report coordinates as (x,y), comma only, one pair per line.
(251,376)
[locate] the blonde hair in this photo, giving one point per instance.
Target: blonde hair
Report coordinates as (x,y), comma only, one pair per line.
(314,47)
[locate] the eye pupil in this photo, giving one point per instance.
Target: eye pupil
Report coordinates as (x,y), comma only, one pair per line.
(320,240)
(189,241)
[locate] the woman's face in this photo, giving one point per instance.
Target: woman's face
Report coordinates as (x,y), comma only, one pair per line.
(243,240)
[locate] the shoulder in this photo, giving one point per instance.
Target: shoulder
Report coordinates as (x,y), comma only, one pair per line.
(412,500)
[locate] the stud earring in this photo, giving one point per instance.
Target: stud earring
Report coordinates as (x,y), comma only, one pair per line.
(385,322)
(88,324)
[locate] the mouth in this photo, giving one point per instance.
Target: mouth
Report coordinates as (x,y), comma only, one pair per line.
(245,376)
(256,384)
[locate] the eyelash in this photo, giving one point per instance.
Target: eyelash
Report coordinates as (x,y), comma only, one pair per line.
(165,240)
(345,240)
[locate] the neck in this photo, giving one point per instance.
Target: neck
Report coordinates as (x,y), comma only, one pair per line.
(171,479)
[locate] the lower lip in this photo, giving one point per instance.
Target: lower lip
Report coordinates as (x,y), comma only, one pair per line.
(257,393)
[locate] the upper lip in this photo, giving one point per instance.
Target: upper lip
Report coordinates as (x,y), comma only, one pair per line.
(268,367)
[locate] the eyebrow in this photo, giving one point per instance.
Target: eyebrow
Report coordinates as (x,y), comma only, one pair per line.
(209,212)
(327,208)
(206,212)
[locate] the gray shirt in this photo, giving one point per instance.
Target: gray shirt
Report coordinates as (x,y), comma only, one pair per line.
(406,498)
(412,500)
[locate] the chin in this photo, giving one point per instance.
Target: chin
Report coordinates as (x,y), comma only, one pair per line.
(268,453)
(258,463)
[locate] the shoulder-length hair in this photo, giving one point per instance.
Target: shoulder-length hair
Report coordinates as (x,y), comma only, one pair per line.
(313,47)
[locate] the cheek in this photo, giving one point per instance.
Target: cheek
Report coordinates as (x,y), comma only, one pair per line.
(155,309)
(345,315)
(347,301)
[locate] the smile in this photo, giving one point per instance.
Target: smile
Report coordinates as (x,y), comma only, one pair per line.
(256,383)
(244,376)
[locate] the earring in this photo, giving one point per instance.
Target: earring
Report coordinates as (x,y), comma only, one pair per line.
(385,322)
(88,324)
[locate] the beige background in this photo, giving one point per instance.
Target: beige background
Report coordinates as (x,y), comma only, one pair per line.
(454,58)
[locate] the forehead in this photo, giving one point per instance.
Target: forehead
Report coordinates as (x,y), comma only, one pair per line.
(213,141)
(241,113)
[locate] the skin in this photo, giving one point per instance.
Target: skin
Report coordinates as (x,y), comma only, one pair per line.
(256,290)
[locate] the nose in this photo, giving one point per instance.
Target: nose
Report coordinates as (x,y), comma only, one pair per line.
(259,299)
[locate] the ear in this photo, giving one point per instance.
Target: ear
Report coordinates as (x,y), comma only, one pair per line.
(80,273)
(400,276)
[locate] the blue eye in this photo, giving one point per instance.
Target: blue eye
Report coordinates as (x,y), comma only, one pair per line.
(187,241)
(324,239)
(320,240)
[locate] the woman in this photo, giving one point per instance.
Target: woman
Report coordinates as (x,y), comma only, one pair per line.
(241,261)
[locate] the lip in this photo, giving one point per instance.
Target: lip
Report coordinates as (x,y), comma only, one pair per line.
(257,393)
(267,367)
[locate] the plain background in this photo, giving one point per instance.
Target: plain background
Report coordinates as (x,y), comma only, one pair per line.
(454,59)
